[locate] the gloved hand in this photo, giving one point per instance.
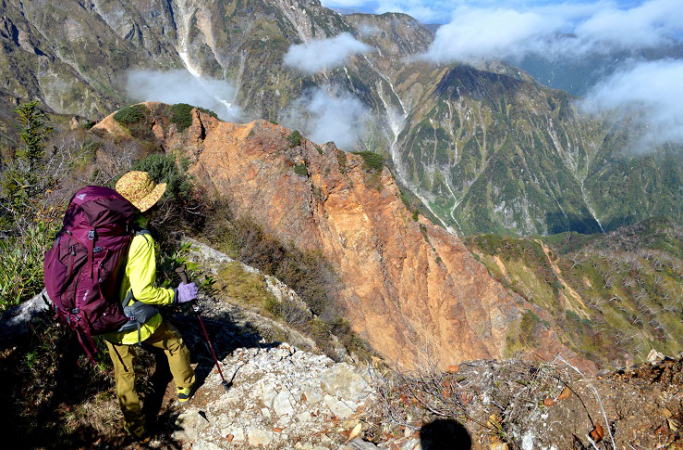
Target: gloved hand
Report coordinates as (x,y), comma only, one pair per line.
(186,293)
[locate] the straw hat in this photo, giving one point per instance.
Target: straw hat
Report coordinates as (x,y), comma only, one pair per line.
(139,189)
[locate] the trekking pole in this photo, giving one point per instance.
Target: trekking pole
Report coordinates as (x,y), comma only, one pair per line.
(195,307)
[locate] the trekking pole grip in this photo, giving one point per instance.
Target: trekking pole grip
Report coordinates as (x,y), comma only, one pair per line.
(183,276)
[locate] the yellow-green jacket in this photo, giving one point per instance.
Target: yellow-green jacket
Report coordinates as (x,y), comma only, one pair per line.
(140,276)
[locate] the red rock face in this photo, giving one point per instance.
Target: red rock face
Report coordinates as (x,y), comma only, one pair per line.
(410,288)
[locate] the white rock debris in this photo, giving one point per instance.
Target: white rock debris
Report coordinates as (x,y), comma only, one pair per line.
(281,397)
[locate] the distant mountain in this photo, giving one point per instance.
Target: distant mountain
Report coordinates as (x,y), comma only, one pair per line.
(577,75)
(486,149)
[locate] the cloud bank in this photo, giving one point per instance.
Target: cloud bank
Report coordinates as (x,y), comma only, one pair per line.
(650,92)
(555,31)
(324,54)
(179,86)
(324,115)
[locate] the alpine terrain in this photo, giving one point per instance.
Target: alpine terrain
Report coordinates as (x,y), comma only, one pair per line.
(391,251)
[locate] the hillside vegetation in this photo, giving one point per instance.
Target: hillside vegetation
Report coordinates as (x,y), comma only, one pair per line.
(606,292)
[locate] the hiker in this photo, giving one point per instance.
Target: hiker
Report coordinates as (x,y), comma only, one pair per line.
(138,283)
(100,276)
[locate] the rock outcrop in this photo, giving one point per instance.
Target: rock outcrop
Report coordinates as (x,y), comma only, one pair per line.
(281,397)
(410,288)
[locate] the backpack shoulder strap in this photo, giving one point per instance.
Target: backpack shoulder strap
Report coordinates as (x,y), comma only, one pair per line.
(145,233)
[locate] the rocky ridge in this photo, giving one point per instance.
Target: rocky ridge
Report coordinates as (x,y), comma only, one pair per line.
(408,287)
(283,397)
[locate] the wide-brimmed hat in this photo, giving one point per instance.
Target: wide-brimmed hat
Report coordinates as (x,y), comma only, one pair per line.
(138,188)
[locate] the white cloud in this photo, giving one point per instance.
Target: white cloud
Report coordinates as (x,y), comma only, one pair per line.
(651,92)
(179,86)
(476,34)
(555,31)
(647,25)
(324,115)
(324,54)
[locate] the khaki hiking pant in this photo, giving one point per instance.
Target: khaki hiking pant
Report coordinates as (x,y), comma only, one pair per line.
(167,338)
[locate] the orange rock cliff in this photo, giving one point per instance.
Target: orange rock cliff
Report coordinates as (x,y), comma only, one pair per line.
(410,288)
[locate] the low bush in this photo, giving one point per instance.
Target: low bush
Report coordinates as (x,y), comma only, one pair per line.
(373,161)
(182,207)
(21,263)
(301,170)
(208,111)
(245,287)
(131,114)
(181,115)
(294,139)
(163,168)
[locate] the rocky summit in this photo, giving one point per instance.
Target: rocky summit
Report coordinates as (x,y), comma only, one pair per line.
(286,396)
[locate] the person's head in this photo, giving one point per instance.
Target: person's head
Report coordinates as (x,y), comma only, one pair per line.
(138,188)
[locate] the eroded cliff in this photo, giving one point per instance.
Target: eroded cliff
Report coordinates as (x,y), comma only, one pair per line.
(410,288)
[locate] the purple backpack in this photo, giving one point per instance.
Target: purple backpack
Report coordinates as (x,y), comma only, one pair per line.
(84,267)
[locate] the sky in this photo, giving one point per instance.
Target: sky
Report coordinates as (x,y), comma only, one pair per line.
(441,11)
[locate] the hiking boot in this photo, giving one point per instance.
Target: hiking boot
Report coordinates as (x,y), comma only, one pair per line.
(137,431)
(184,394)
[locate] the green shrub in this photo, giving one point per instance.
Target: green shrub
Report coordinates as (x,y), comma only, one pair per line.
(24,214)
(21,263)
(208,111)
(182,207)
(246,287)
(294,139)
(341,160)
(23,180)
(373,161)
(131,114)
(301,170)
(163,168)
(181,115)
(34,132)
